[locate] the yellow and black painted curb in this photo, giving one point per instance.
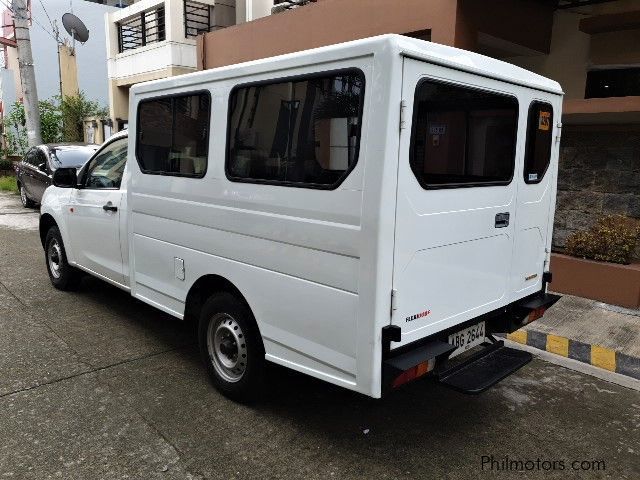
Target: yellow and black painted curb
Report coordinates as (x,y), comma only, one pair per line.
(583,352)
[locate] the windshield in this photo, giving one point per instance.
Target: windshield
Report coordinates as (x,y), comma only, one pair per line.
(75,157)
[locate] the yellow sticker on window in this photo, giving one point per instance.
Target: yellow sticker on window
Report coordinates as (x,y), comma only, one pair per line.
(544,121)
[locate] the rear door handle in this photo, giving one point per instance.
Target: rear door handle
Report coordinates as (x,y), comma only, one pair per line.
(109,207)
(502,220)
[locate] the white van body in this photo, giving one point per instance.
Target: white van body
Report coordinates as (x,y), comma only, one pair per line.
(325,270)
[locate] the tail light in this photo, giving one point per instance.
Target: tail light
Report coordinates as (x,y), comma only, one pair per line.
(414,372)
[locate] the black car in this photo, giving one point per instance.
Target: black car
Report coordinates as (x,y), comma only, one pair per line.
(35,170)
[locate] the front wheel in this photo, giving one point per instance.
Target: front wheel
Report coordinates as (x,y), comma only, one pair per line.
(26,201)
(62,275)
(231,347)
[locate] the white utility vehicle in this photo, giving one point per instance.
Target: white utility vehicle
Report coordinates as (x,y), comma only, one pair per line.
(365,213)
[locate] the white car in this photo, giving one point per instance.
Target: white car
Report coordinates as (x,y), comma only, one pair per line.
(362,212)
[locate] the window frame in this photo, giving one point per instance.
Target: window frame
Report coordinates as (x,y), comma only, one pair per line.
(294,78)
(85,168)
(442,186)
(528,139)
(207,140)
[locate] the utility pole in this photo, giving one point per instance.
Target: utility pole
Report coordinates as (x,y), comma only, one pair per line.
(27,73)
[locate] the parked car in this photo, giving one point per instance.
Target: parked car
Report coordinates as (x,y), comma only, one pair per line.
(36,169)
(362,213)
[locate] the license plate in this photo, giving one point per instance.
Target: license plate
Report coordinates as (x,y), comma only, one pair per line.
(467,338)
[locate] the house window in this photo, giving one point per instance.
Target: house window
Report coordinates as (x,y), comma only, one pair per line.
(141,30)
(539,136)
(614,82)
(173,135)
(462,136)
(300,132)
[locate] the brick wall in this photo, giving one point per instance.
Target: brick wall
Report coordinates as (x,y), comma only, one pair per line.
(599,174)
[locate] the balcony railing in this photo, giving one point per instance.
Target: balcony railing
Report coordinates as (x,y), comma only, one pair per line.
(140,30)
(198,18)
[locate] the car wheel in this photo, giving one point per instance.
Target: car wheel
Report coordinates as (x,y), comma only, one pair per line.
(231,347)
(62,275)
(26,201)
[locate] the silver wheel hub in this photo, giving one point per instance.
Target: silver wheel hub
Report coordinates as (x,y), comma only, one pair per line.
(54,258)
(23,195)
(227,347)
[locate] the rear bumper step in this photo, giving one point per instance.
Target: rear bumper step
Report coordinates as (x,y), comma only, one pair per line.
(484,369)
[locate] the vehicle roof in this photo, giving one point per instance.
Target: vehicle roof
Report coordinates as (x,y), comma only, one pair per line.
(402,46)
(69,146)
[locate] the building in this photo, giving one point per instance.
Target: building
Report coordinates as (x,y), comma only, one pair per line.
(592,47)
(153,39)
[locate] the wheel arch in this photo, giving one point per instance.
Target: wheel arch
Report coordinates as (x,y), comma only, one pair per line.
(46,222)
(203,287)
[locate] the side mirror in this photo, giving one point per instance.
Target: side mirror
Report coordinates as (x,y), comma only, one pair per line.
(65,178)
(43,167)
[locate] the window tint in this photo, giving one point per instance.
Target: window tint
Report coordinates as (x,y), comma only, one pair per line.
(173,135)
(299,132)
(105,169)
(71,157)
(462,136)
(539,135)
(31,157)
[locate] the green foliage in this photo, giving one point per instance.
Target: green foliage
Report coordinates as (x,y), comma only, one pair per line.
(73,111)
(59,121)
(8,184)
(6,164)
(612,239)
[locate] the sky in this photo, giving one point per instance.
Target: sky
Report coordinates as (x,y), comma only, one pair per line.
(91,57)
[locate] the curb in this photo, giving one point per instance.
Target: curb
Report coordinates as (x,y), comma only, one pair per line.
(595,355)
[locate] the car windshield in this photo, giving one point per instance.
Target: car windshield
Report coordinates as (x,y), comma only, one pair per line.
(71,157)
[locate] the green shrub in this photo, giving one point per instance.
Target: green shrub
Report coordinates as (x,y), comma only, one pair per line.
(8,184)
(612,239)
(6,164)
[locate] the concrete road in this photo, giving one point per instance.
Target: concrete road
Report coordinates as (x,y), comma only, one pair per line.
(96,385)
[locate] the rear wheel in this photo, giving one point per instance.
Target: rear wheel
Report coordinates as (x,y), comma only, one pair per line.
(26,201)
(62,275)
(231,347)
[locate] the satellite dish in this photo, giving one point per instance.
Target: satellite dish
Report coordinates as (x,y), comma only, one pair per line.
(75,27)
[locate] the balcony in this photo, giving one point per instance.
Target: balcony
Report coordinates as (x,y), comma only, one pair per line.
(156,38)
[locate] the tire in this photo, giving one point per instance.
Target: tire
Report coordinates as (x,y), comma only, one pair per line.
(26,201)
(231,347)
(62,275)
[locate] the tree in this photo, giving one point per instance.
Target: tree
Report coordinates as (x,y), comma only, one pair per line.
(16,132)
(74,109)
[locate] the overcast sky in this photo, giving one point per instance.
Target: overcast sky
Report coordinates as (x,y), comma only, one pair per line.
(91,57)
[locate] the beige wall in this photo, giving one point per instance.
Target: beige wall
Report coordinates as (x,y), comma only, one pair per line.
(68,71)
(569,57)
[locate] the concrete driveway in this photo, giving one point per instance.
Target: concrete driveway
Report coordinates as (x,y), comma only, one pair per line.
(96,385)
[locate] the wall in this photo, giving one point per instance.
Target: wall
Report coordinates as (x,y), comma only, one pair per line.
(327,22)
(599,174)
(68,71)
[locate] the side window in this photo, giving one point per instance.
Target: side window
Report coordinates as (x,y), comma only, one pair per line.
(539,139)
(462,137)
(173,135)
(302,132)
(106,168)
(31,157)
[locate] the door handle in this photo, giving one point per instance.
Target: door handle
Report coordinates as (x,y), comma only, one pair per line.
(109,207)
(502,220)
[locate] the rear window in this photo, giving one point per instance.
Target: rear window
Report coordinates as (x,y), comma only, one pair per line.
(300,132)
(539,137)
(173,135)
(70,158)
(462,137)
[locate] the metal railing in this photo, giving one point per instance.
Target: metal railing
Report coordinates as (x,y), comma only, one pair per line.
(140,30)
(198,18)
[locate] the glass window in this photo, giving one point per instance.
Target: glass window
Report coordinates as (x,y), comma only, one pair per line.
(106,168)
(613,82)
(462,137)
(539,136)
(301,132)
(173,135)
(31,157)
(71,156)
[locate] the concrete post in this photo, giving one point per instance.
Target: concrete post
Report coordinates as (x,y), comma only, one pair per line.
(27,73)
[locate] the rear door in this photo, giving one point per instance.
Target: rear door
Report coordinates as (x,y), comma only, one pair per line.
(456,198)
(536,180)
